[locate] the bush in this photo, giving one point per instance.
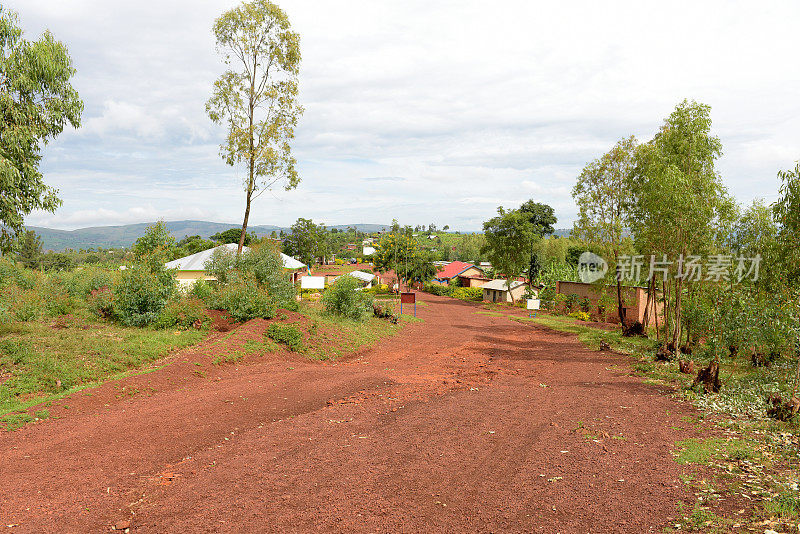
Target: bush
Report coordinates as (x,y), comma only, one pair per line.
(185,312)
(142,294)
(83,281)
(436,289)
(580,315)
(101,302)
(468,293)
(58,301)
(13,274)
(288,334)
(243,299)
(201,290)
(342,299)
(264,263)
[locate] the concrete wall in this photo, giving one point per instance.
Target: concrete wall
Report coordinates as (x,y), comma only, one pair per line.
(634,299)
(503,295)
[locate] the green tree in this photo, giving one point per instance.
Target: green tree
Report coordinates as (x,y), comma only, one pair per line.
(679,200)
(603,196)
(36,102)
(233,235)
(510,237)
(29,249)
(256,97)
(307,242)
(787,214)
(400,252)
(542,218)
(157,240)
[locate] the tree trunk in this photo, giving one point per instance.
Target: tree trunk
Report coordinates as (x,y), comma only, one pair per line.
(649,303)
(251,157)
(676,335)
(244,223)
(620,309)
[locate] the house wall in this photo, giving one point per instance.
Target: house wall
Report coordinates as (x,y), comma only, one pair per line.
(634,299)
(187,278)
(504,295)
(472,282)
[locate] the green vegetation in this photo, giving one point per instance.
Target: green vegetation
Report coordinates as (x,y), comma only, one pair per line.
(38,100)
(341,299)
(48,360)
(256,97)
(287,334)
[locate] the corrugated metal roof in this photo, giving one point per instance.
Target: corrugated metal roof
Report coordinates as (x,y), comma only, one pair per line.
(500,284)
(197,262)
(361,275)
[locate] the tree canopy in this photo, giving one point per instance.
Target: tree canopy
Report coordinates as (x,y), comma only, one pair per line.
(256,97)
(36,103)
(307,242)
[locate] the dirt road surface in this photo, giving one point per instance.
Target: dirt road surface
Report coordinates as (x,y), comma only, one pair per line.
(463,422)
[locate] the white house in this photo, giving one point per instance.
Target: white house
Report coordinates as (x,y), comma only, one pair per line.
(192,268)
(497,290)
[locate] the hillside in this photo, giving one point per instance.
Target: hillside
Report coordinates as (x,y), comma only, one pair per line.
(125,235)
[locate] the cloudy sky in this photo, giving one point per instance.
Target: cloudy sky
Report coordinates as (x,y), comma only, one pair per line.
(428,112)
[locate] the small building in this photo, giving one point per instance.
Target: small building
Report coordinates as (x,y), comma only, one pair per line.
(634,300)
(368,251)
(463,274)
(498,291)
(366,279)
(192,268)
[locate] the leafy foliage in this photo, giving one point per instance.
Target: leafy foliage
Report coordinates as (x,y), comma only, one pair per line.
(36,102)
(288,334)
(342,299)
(244,299)
(256,97)
(307,242)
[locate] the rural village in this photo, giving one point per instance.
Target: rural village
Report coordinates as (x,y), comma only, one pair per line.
(632,368)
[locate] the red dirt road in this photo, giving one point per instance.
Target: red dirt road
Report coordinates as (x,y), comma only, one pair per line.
(464,422)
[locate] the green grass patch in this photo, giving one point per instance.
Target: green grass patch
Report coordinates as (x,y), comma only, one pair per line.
(331,336)
(786,505)
(46,363)
(286,334)
(703,451)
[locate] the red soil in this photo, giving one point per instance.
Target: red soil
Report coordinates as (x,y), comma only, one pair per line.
(463,422)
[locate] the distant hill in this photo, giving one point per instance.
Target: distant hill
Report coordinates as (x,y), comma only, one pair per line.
(562,232)
(126,235)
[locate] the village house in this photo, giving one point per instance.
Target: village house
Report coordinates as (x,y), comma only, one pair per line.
(462,274)
(498,291)
(192,268)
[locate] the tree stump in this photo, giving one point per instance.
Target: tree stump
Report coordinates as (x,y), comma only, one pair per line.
(782,411)
(686,366)
(604,346)
(664,354)
(709,378)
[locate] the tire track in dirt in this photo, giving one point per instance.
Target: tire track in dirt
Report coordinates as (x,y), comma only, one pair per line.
(458,423)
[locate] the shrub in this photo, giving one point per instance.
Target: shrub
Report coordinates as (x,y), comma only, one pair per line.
(264,263)
(11,273)
(201,290)
(468,293)
(58,301)
(142,294)
(288,334)
(185,312)
(580,315)
(436,289)
(83,281)
(243,299)
(342,299)
(101,302)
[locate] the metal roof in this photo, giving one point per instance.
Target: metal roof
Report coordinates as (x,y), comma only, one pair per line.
(197,262)
(500,285)
(361,275)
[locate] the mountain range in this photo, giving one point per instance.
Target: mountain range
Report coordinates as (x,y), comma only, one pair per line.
(126,235)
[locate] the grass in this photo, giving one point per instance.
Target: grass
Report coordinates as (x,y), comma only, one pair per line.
(43,363)
(703,451)
(332,337)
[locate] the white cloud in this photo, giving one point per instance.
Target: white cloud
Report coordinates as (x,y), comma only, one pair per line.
(473,105)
